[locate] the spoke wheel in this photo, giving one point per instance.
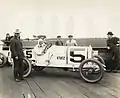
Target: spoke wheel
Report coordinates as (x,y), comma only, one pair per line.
(91,70)
(3,59)
(27,67)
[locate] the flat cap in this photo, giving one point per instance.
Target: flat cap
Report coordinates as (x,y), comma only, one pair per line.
(70,35)
(58,36)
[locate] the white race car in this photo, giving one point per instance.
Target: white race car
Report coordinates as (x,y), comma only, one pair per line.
(90,65)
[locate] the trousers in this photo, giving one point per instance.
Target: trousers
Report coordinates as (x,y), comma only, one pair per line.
(113,59)
(18,68)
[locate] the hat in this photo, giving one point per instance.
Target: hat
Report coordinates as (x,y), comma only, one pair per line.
(7,34)
(58,36)
(70,36)
(109,33)
(17,31)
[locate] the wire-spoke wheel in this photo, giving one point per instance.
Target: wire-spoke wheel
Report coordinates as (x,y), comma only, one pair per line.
(3,59)
(27,67)
(91,70)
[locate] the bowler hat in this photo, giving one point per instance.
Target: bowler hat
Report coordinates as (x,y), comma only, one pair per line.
(109,33)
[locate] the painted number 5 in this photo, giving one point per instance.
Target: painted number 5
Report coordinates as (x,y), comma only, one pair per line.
(29,53)
(81,57)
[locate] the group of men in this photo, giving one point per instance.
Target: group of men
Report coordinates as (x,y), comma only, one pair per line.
(17,53)
(69,42)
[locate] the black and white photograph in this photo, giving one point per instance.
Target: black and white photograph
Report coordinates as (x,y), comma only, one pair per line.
(59,49)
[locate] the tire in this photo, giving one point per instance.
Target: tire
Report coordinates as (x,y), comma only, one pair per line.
(3,60)
(38,68)
(99,59)
(87,75)
(27,67)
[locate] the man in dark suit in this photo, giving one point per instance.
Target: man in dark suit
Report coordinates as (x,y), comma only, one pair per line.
(59,41)
(112,62)
(17,54)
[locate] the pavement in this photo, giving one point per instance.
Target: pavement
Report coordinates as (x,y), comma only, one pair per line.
(57,83)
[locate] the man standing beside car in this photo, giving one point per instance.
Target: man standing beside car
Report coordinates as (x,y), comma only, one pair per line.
(17,54)
(112,62)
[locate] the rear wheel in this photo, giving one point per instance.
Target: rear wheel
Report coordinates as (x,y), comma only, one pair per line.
(3,59)
(27,67)
(91,70)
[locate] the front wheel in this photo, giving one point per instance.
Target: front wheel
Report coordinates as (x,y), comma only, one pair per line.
(91,70)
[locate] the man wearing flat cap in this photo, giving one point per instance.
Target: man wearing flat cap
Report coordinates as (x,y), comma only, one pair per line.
(17,54)
(59,41)
(71,41)
(112,46)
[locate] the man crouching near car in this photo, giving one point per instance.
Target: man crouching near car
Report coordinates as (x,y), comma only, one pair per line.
(17,54)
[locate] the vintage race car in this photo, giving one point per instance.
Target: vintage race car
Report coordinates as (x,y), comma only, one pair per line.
(4,52)
(5,55)
(89,64)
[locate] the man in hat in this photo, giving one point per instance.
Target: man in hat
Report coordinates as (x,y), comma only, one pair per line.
(71,41)
(112,61)
(59,41)
(17,54)
(7,39)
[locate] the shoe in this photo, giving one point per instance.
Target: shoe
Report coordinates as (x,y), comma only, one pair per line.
(17,80)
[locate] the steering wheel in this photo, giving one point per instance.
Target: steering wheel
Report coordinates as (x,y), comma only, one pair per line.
(47,47)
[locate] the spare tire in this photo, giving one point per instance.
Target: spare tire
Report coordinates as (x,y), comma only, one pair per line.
(3,59)
(91,70)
